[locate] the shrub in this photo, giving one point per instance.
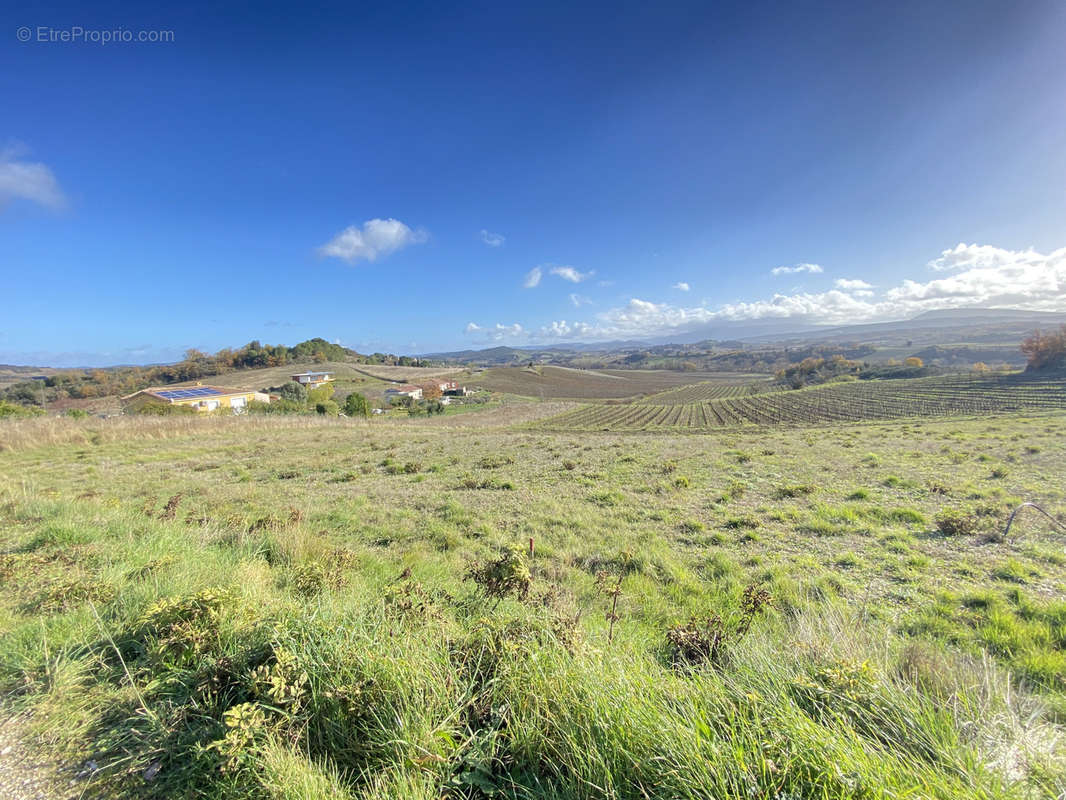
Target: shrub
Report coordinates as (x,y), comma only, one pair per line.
(356,405)
(328,408)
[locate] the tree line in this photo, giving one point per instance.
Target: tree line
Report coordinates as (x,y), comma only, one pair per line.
(196,364)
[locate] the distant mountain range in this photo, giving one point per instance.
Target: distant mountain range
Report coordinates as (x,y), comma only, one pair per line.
(973,326)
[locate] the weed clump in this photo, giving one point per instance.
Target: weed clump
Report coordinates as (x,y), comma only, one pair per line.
(708,641)
(745,522)
(506,575)
(470,482)
(956,522)
(793,491)
(493,462)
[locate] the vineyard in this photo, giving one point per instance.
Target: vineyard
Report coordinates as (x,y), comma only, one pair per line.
(708,390)
(548,382)
(847,402)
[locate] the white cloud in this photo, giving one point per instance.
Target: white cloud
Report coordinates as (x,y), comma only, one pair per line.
(28,180)
(980,256)
(492,239)
(579,300)
(495,333)
(811,268)
(989,278)
(847,284)
(571,274)
(377,237)
(563,329)
(681,286)
(532,278)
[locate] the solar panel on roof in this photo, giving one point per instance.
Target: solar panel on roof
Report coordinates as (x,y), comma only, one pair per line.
(183,394)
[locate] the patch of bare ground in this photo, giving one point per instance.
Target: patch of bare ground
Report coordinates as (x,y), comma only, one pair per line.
(415,374)
(25,774)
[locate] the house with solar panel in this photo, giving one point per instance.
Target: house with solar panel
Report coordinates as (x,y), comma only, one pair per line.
(198,398)
(312,380)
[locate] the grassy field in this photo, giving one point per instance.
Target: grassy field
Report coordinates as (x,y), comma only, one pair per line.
(722,405)
(308,607)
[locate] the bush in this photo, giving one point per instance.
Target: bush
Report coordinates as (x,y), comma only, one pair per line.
(14,410)
(356,405)
(293,392)
(327,407)
(276,407)
(322,394)
(163,409)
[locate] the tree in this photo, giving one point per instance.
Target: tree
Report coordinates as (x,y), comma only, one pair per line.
(913,361)
(356,405)
(327,407)
(1046,350)
(430,391)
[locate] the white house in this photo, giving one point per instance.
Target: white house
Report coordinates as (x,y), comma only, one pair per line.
(312,380)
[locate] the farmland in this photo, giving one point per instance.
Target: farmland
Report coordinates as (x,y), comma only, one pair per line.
(704,391)
(477,606)
(609,384)
(406,374)
(753,404)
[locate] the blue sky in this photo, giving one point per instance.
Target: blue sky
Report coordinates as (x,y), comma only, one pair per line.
(395,176)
